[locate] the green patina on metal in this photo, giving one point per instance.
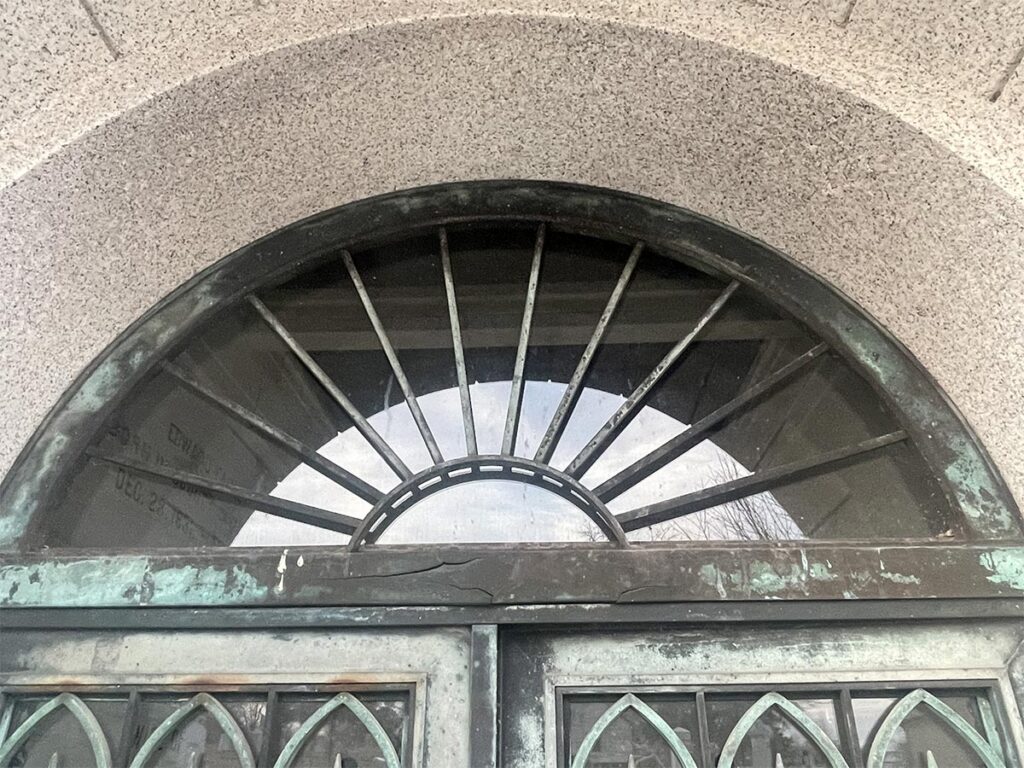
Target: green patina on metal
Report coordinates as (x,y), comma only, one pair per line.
(150,749)
(1006,566)
(631,702)
(313,723)
(117,581)
(761,577)
(900,578)
(979,496)
(821,572)
(767,579)
(796,715)
(209,584)
(464,575)
(16,518)
(891,725)
(74,705)
(96,390)
(965,470)
(90,582)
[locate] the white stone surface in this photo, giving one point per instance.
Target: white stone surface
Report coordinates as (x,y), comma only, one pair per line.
(867,149)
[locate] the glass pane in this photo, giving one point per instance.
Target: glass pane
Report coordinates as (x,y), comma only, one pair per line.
(342,737)
(492,511)
(921,731)
(199,740)
(630,736)
(774,735)
(60,733)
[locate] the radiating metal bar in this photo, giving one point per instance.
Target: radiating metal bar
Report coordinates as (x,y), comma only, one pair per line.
(358,420)
(293,445)
(392,356)
(515,400)
(621,418)
(289,510)
(670,509)
(457,346)
(572,392)
(698,432)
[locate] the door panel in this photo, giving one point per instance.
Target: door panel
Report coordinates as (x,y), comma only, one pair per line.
(352,698)
(759,697)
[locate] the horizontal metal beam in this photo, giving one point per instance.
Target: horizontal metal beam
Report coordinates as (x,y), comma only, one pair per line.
(602,614)
(515,575)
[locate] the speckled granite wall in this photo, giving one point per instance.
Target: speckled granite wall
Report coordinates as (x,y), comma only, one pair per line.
(857,137)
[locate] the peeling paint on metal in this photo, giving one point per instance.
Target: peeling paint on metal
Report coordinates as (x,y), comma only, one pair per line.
(900,578)
(124,581)
(96,581)
(1006,566)
(820,572)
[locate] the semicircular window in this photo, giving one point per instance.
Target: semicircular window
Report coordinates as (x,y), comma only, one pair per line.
(498,380)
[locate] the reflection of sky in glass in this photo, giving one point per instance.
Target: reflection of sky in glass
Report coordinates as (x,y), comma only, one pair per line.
(495,511)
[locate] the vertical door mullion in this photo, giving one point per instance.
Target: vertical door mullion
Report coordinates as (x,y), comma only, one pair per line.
(129,730)
(848,728)
(702,729)
(483,696)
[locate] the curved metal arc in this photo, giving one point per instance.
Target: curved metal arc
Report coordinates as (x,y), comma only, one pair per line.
(476,468)
(910,702)
(88,721)
(630,701)
(796,715)
(219,713)
(314,721)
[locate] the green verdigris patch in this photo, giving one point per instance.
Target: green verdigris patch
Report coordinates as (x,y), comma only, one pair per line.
(900,578)
(764,578)
(205,585)
(93,582)
(111,582)
(1006,566)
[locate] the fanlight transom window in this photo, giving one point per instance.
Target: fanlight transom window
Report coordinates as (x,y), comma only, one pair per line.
(493,382)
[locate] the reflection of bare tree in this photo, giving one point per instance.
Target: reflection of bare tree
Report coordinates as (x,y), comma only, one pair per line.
(249,715)
(753,518)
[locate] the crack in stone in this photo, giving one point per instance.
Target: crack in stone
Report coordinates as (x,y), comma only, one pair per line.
(104,35)
(1008,72)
